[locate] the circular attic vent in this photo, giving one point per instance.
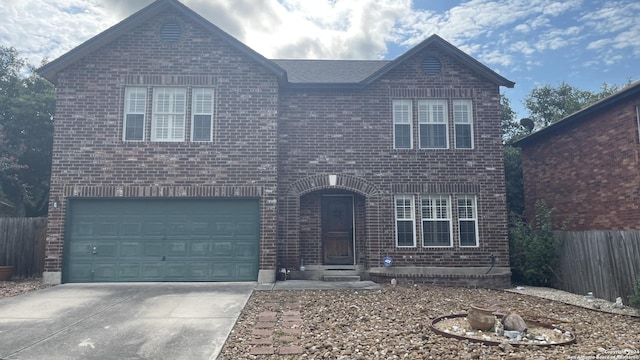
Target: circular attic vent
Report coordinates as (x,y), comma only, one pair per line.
(171,32)
(431,65)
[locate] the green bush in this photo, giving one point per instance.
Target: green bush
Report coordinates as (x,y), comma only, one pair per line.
(634,300)
(533,249)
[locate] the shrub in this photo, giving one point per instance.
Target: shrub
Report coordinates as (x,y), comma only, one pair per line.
(634,300)
(533,249)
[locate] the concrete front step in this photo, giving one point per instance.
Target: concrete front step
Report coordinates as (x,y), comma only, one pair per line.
(343,278)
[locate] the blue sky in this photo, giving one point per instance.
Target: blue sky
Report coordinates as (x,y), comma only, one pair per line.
(531,42)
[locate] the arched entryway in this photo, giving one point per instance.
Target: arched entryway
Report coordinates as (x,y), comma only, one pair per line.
(330,220)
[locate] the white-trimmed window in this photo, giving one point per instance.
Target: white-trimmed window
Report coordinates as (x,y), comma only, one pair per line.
(432,120)
(468,220)
(436,221)
(463,123)
(202,114)
(405,221)
(135,106)
(168,114)
(402,124)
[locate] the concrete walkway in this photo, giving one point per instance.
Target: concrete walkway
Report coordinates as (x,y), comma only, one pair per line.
(121,321)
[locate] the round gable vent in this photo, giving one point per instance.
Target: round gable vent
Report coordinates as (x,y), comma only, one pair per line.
(431,65)
(171,32)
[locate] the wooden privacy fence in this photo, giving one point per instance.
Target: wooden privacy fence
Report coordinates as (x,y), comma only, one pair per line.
(22,244)
(604,262)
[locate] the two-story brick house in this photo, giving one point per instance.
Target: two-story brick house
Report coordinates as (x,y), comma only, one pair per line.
(180,154)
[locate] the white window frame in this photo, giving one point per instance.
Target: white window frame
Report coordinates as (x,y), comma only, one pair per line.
(431,212)
(175,132)
(429,114)
(458,120)
(403,217)
(402,117)
(133,108)
(198,109)
(474,217)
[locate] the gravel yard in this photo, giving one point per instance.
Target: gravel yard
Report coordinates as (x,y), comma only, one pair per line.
(393,323)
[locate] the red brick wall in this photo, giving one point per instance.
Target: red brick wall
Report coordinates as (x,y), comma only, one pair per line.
(349,133)
(590,172)
(90,158)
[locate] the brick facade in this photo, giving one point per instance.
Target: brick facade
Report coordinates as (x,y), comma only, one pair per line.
(588,170)
(279,143)
(91,159)
(350,133)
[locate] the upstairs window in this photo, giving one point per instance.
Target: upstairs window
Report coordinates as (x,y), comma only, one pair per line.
(135,106)
(402,124)
(202,115)
(436,220)
(168,120)
(405,221)
(432,119)
(463,121)
(468,220)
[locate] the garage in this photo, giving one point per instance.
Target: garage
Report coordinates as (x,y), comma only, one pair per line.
(120,240)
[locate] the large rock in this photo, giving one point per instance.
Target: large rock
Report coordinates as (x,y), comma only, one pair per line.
(514,322)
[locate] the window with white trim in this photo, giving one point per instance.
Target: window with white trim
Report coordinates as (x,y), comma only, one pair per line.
(432,120)
(135,106)
(405,221)
(402,124)
(202,114)
(168,114)
(468,220)
(436,221)
(463,123)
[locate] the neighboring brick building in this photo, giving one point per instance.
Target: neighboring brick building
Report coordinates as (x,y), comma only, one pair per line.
(181,154)
(586,166)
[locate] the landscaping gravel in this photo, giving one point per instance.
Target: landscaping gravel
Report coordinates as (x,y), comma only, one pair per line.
(18,287)
(394,323)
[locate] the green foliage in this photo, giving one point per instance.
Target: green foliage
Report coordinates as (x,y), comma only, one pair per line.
(634,300)
(547,104)
(533,250)
(513,181)
(27,103)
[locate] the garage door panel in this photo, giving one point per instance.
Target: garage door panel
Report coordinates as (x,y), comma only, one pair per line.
(106,248)
(162,240)
(176,248)
(200,249)
(245,271)
(104,272)
(176,270)
(151,271)
(246,250)
(222,249)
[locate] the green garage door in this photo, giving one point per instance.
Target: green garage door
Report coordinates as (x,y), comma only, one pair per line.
(162,240)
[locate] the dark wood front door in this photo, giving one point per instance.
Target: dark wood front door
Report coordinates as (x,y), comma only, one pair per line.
(337,229)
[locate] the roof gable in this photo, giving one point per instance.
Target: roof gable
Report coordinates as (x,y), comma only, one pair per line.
(435,40)
(581,115)
(50,71)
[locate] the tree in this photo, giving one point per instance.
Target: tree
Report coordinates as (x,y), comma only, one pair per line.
(511,131)
(27,104)
(547,104)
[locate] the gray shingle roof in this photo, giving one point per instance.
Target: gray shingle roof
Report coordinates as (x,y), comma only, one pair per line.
(329,71)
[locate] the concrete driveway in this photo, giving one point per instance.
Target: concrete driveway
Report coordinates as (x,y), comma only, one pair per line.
(121,321)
